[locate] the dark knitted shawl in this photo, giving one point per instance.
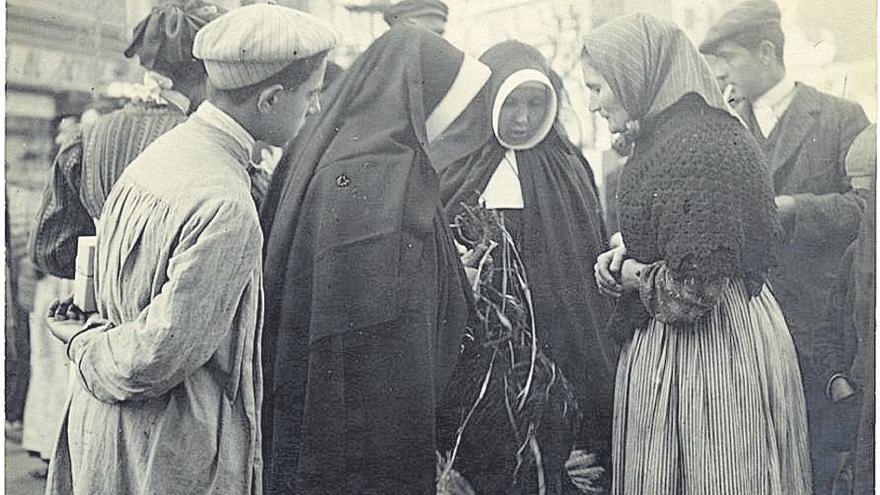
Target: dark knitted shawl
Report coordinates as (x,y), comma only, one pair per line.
(697,194)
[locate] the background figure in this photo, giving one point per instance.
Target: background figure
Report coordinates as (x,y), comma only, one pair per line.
(861,159)
(49,374)
(845,342)
(366,299)
(17,335)
(708,397)
(48,370)
(544,189)
(425,14)
(805,135)
(92,157)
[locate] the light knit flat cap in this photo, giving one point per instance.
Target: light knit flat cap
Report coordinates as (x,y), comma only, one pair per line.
(252,43)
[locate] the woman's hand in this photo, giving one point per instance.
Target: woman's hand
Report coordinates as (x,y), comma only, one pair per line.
(607,271)
(616,240)
(473,257)
(630,275)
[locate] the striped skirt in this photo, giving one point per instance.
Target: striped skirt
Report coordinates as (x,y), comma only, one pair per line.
(713,407)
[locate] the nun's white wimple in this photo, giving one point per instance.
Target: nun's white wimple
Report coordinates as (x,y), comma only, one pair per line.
(508,86)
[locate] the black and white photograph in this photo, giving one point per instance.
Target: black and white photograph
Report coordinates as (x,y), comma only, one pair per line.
(440,247)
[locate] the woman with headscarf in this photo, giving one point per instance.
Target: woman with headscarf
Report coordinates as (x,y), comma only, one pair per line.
(708,396)
(543,188)
(88,164)
(366,300)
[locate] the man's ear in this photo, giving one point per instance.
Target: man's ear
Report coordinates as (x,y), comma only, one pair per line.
(768,51)
(268,97)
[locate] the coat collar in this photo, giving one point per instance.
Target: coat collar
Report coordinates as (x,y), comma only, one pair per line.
(794,126)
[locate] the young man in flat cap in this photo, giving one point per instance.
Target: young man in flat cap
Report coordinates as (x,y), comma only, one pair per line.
(425,14)
(169,388)
(805,135)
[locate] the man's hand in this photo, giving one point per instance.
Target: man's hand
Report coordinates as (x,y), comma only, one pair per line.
(64,309)
(64,330)
(65,319)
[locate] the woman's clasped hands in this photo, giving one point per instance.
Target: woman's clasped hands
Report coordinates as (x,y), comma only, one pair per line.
(615,273)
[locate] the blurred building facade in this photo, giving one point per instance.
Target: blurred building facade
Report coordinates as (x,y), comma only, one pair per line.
(62,53)
(58,54)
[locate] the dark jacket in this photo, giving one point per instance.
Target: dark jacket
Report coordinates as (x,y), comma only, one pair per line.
(807,163)
(845,342)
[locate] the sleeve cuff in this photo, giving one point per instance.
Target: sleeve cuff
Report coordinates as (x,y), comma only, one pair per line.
(80,341)
(647,279)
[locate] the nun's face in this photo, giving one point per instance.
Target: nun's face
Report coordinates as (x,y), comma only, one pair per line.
(523,112)
(603,99)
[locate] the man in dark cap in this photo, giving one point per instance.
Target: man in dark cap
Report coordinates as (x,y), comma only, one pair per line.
(426,14)
(806,135)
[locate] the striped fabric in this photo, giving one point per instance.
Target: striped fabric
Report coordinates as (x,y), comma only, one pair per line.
(714,407)
(114,141)
(650,64)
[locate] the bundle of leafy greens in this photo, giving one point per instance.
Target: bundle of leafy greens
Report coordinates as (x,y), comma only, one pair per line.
(508,419)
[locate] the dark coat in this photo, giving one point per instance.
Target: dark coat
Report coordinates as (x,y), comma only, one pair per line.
(807,163)
(845,343)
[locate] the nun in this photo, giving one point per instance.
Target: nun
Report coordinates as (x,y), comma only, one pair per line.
(542,186)
(366,300)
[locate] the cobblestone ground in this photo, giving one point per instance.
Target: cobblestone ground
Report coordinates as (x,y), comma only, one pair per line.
(17,470)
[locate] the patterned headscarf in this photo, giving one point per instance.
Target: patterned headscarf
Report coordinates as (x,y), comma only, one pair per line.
(650,64)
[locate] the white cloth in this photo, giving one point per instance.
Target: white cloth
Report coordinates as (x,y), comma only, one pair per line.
(504,190)
(209,112)
(260,172)
(510,84)
(471,77)
(769,107)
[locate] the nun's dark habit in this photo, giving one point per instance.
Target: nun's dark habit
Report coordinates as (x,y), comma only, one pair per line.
(366,298)
(547,194)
